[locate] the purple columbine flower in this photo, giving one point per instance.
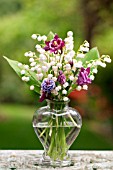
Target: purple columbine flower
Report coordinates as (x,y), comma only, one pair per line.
(61,77)
(71,63)
(48,85)
(43,97)
(83,77)
(54,45)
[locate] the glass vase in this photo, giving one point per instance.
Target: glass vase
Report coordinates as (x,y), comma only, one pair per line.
(57,126)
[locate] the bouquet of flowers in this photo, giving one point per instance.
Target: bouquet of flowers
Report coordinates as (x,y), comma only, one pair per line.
(58,69)
(54,71)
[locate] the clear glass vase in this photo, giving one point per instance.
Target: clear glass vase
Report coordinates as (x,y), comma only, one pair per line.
(56,125)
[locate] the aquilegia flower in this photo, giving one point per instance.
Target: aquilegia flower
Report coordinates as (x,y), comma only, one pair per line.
(47,85)
(83,77)
(55,69)
(61,77)
(55,45)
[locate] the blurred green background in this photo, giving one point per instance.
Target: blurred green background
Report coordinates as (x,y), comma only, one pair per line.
(90,20)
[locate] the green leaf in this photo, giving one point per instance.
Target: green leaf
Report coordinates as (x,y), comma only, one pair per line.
(93,54)
(50,36)
(14,65)
(33,80)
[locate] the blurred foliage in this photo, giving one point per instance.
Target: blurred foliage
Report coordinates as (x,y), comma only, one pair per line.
(9,7)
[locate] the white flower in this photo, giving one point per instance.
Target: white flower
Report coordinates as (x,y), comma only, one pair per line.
(39,76)
(92,77)
(84,49)
(78,64)
(103,65)
(31,60)
(26,54)
(39,70)
(50,76)
(71,53)
(41,50)
(65,99)
(22,71)
(108,60)
(33,69)
(39,38)
(33,64)
(85,87)
(57,57)
(65,84)
(32,87)
(31,54)
(19,64)
(34,36)
(80,55)
(78,88)
(59,87)
(38,46)
(44,68)
(48,65)
(59,65)
(64,92)
(54,79)
(42,57)
(68,39)
(54,68)
(98,62)
(71,78)
(86,44)
(68,67)
(52,63)
(69,46)
(36,67)
(95,63)
(27,79)
(94,70)
(69,33)
(24,78)
(67,57)
(26,67)
(44,38)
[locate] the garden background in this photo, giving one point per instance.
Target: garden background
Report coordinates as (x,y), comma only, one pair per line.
(90,20)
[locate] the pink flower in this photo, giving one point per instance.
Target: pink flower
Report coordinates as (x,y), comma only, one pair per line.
(55,45)
(61,77)
(83,77)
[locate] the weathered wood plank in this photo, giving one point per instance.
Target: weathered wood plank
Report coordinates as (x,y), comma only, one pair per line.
(29,159)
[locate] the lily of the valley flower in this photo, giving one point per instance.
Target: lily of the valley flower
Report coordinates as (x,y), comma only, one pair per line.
(58,69)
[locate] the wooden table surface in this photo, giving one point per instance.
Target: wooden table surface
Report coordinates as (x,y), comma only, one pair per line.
(83,160)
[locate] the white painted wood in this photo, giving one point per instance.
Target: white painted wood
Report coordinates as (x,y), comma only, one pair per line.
(29,159)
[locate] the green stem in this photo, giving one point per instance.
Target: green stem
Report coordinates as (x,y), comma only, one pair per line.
(57,148)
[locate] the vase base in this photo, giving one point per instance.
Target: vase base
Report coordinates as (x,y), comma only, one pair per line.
(46,161)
